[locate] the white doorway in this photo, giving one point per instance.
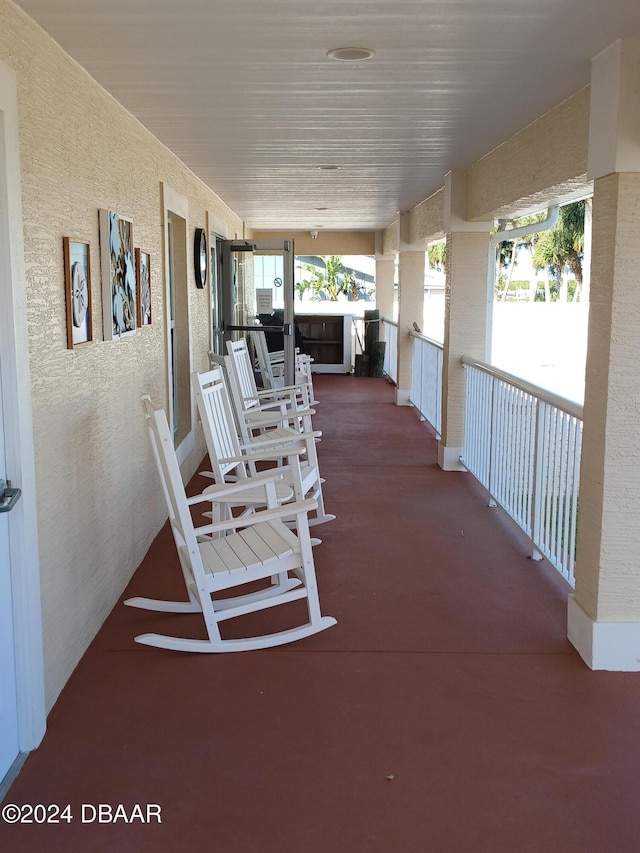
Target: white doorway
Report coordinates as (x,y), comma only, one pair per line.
(180,408)
(22,704)
(9,740)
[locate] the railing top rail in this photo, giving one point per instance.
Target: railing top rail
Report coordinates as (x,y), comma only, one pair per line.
(568,406)
(389,322)
(420,337)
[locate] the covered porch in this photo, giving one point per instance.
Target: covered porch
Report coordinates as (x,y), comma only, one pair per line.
(446,711)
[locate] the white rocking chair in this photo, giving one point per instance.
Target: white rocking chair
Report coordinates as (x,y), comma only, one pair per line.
(228,463)
(252,548)
(232,458)
(271,364)
(304,375)
(289,404)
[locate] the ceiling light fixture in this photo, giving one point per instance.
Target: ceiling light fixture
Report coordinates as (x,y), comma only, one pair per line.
(350,54)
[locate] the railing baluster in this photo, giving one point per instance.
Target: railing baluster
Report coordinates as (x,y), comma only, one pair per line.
(548,477)
(523,444)
(426,380)
(566,496)
(574,501)
(390,334)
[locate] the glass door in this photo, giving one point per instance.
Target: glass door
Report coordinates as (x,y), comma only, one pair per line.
(173,346)
(217,341)
(256,283)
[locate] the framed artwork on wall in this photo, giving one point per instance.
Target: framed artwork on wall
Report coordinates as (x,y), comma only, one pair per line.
(77,279)
(143,287)
(118,275)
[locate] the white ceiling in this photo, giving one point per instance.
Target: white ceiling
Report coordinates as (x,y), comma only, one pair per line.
(243,92)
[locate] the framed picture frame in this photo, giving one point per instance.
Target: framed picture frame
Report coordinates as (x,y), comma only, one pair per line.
(143,287)
(77,280)
(117,261)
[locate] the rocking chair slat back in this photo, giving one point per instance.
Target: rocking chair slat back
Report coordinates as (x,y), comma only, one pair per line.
(243,371)
(217,420)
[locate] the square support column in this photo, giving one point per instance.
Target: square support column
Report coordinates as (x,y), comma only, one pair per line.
(411,263)
(385,271)
(604,612)
(465,318)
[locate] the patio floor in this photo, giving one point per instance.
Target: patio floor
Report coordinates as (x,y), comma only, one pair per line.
(446,712)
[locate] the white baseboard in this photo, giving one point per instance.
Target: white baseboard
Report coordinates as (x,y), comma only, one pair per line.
(402,397)
(449,458)
(613,646)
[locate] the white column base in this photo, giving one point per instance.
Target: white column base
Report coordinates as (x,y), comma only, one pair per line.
(449,458)
(613,646)
(402,397)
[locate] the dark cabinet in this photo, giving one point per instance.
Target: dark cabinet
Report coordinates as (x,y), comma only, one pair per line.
(327,339)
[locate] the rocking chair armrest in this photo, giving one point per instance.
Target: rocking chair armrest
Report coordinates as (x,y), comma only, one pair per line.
(264,407)
(290,444)
(277,419)
(276,452)
(276,395)
(263,477)
(215,497)
(286,390)
(223,490)
(284,511)
(294,450)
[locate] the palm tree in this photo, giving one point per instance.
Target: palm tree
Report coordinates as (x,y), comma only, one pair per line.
(437,255)
(334,284)
(509,248)
(333,281)
(562,247)
(314,284)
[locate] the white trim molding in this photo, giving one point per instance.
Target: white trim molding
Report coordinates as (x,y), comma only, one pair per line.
(449,458)
(613,646)
(19,451)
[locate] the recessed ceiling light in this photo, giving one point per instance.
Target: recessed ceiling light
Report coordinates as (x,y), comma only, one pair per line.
(350,54)
(329,168)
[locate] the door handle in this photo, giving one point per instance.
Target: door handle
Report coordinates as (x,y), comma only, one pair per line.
(8,497)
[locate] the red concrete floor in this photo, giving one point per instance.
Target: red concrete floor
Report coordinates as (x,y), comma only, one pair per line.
(445,712)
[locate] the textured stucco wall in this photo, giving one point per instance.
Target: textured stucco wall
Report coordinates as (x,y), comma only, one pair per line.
(385,272)
(607,577)
(410,311)
(465,324)
(99,504)
(391,238)
(544,161)
(326,243)
(427,219)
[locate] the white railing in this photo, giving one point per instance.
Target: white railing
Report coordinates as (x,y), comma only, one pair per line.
(523,444)
(426,379)
(390,336)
